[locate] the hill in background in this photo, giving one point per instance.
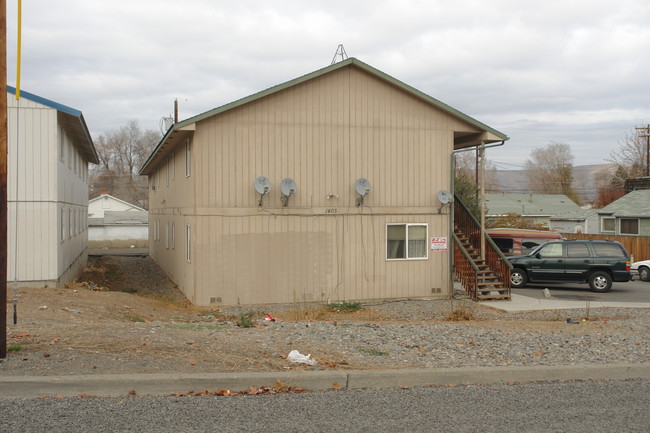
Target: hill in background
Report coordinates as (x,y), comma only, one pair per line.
(516,181)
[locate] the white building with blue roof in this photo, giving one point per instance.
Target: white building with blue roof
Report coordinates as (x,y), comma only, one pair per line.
(49,148)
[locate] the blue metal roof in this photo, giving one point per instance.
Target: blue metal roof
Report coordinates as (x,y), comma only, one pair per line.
(72,119)
(46,102)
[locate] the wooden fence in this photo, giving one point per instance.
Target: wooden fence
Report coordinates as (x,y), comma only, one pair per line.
(637,246)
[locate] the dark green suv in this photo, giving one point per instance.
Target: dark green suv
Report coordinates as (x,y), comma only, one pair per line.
(597,262)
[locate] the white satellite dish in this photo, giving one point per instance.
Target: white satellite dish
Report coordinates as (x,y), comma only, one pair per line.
(262,185)
(445,196)
(288,186)
(362,186)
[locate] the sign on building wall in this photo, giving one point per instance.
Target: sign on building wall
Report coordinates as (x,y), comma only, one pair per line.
(438,244)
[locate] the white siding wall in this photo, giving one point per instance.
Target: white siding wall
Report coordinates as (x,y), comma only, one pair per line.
(40,185)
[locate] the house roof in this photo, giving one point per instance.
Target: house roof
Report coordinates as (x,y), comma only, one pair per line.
(550,205)
(72,121)
(135,207)
(121,218)
(179,131)
(633,204)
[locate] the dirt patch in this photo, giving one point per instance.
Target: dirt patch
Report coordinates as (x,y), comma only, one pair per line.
(125,316)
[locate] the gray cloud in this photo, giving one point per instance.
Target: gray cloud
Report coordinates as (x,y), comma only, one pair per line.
(573,72)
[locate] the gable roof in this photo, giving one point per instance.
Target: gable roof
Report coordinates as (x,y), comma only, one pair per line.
(110,197)
(633,204)
(72,121)
(186,127)
(556,205)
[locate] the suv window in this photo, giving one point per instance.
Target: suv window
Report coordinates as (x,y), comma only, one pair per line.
(607,250)
(551,250)
(527,245)
(577,250)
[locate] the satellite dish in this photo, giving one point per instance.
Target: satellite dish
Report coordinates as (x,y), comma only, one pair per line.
(262,185)
(362,186)
(288,186)
(445,196)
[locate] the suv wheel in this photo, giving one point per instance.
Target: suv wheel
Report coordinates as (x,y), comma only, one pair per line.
(518,278)
(600,281)
(644,273)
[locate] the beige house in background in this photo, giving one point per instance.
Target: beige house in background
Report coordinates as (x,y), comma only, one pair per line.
(49,148)
(224,243)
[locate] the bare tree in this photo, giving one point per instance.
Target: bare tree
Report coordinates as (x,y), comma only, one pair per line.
(550,170)
(629,158)
(122,152)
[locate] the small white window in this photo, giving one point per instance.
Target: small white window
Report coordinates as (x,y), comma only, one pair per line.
(188,239)
(62,225)
(188,160)
(62,144)
(173,163)
(173,236)
(167,234)
(608,225)
(406,241)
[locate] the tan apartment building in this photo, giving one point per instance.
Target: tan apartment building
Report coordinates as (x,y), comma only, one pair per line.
(323,188)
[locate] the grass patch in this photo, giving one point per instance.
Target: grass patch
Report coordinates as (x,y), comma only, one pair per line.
(14,348)
(246,320)
(195,327)
(135,318)
(373,352)
(345,307)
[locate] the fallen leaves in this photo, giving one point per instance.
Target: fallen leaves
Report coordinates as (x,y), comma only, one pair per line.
(278,388)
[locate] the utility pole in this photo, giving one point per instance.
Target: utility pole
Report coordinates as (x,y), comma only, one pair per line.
(3,179)
(647,148)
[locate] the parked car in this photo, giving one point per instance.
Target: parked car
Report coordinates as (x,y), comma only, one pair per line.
(643,269)
(515,242)
(597,262)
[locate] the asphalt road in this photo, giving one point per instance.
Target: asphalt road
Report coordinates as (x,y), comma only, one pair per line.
(632,291)
(594,406)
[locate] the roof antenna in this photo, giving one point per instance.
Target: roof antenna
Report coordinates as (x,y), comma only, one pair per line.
(340,52)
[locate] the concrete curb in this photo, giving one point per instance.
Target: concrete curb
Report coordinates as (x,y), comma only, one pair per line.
(164,384)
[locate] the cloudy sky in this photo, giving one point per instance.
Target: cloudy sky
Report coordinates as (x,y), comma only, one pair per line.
(570,71)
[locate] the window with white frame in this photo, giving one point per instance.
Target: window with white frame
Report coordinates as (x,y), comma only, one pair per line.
(62,225)
(173,161)
(173,236)
(629,226)
(406,241)
(167,234)
(61,145)
(608,224)
(188,160)
(188,244)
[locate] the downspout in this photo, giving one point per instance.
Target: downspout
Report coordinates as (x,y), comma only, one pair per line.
(451,208)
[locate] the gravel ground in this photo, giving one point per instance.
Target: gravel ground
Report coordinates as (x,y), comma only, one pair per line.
(80,331)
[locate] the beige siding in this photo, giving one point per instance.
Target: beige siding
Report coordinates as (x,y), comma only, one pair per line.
(324,133)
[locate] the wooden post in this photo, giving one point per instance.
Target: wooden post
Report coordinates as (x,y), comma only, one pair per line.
(3,178)
(482,201)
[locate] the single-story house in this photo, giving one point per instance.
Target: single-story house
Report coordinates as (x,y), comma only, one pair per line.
(107,203)
(556,211)
(323,188)
(49,148)
(629,215)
